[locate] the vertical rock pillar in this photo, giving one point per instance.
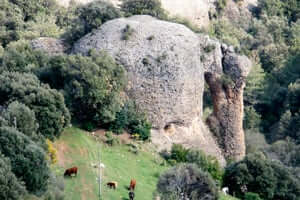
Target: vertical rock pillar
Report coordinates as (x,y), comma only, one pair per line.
(226,88)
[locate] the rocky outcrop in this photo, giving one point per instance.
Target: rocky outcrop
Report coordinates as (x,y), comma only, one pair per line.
(166,65)
(50,45)
(162,60)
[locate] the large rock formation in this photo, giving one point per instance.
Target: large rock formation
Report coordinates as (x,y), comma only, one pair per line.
(166,76)
(225,73)
(166,64)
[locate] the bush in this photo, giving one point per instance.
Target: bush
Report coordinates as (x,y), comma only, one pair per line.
(132,120)
(92,85)
(268,179)
(28,160)
(48,104)
(91,16)
(19,115)
(251,118)
(206,163)
(179,153)
(186,181)
(143,7)
(111,139)
(10,187)
(127,32)
(52,152)
(252,196)
(20,57)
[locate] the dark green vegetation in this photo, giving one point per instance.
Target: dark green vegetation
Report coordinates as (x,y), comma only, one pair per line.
(10,187)
(186,181)
(143,7)
(208,164)
(268,179)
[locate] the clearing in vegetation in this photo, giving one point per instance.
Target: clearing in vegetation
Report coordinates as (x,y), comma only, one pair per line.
(78,148)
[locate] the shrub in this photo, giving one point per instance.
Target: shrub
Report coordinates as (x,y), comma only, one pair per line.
(127,32)
(132,120)
(52,152)
(207,163)
(10,187)
(111,139)
(143,7)
(20,57)
(92,85)
(179,153)
(48,104)
(269,179)
(251,118)
(28,160)
(91,16)
(19,115)
(252,196)
(186,181)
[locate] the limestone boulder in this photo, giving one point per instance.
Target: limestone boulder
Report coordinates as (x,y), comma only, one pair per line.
(166,77)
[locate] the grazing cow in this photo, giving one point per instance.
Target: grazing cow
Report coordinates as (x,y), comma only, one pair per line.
(71,171)
(112,184)
(132,185)
(131,195)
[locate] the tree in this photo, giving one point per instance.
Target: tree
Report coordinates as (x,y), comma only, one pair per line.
(28,160)
(186,181)
(269,179)
(91,16)
(143,7)
(48,104)
(10,187)
(20,115)
(92,85)
(20,57)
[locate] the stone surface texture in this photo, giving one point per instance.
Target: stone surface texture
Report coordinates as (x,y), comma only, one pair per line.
(50,45)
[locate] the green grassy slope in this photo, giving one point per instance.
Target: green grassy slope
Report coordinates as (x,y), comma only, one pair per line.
(76,148)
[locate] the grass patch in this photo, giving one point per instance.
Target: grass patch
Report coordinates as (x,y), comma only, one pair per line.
(76,148)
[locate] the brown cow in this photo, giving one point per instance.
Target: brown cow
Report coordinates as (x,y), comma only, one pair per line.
(112,184)
(132,184)
(71,171)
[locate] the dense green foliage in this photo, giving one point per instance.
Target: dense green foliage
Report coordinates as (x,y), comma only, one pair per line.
(48,104)
(22,118)
(186,181)
(27,20)
(143,7)
(10,187)
(207,163)
(91,85)
(132,120)
(90,17)
(20,57)
(28,160)
(269,179)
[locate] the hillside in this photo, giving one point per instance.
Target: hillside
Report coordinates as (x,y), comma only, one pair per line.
(79,148)
(76,148)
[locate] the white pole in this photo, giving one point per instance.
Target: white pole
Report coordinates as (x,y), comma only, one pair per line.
(99,166)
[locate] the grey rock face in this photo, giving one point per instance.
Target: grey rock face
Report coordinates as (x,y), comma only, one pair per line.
(163,64)
(50,45)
